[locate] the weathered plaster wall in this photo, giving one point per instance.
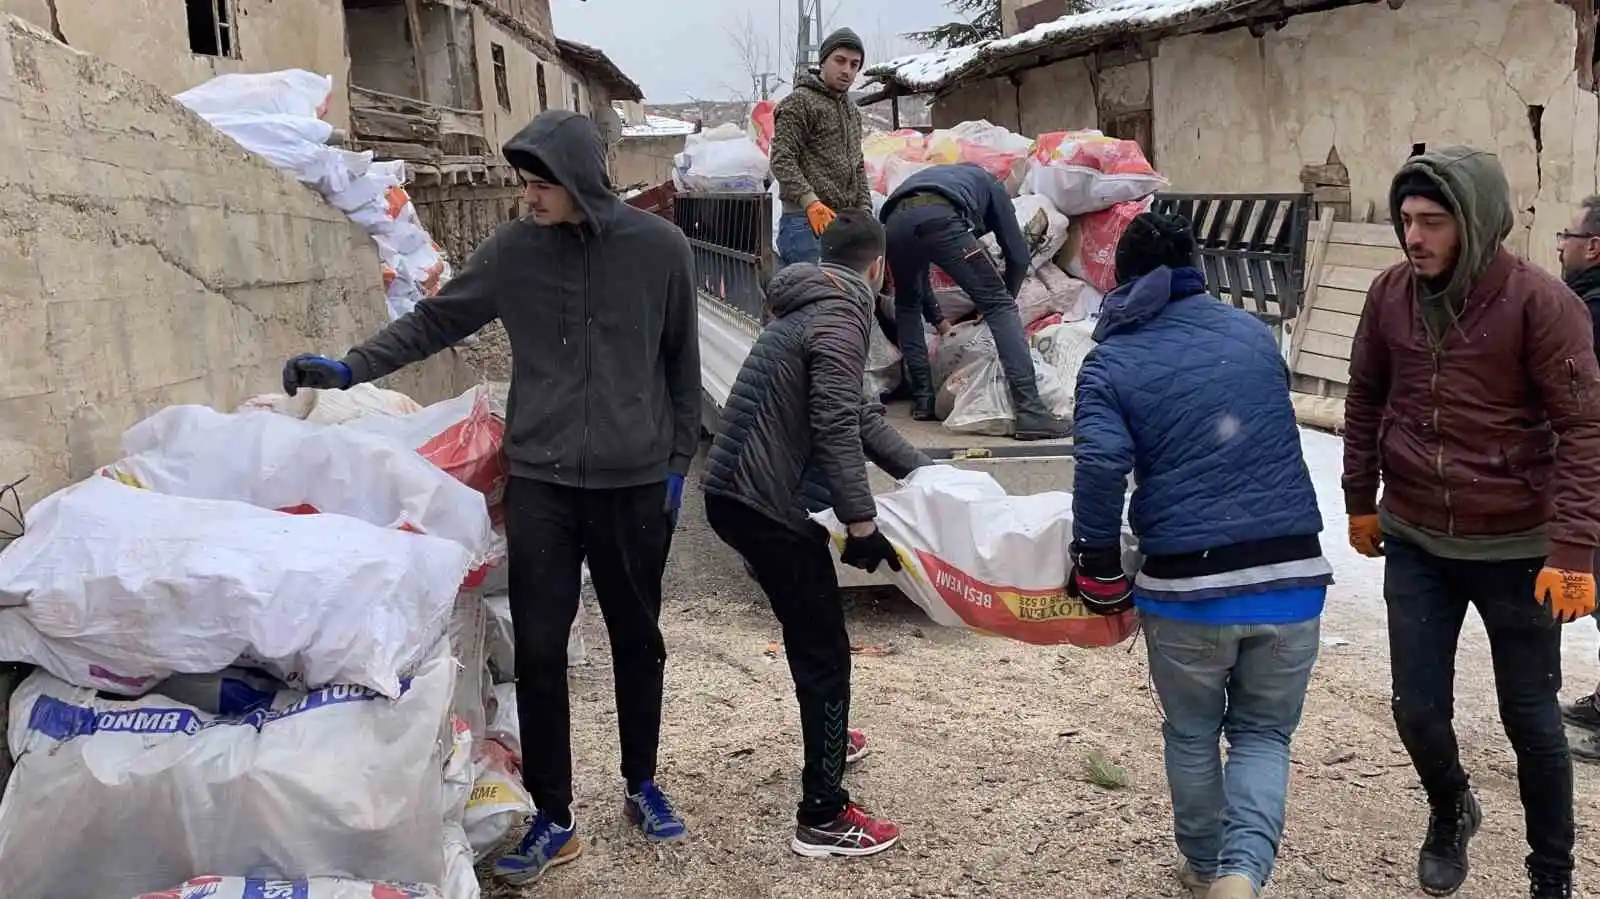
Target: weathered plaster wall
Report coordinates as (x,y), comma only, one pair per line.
(522,79)
(994,99)
(1008,15)
(1058,98)
(1233,112)
(646,160)
(150,38)
(380,56)
(146,260)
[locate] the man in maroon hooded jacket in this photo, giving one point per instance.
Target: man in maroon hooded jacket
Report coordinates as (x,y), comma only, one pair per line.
(1475,399)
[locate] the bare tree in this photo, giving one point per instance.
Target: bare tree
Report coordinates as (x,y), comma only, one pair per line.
(757,60)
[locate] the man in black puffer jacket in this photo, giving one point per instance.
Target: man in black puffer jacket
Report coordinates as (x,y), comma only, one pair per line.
(1579,247)
(794,439)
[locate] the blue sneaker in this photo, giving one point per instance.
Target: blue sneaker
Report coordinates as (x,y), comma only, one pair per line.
(545,846)
(653,814)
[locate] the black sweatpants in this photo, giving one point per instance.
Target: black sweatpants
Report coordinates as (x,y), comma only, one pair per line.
(550,530)
(795,570)
(1427,597)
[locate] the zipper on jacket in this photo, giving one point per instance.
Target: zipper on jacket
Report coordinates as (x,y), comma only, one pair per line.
(1449,505)
(588,319)
(1572,379)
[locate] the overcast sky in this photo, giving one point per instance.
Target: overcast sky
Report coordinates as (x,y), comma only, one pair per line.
(680,50)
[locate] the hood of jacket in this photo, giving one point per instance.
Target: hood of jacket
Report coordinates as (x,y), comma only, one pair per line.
(1142,299)
(1476,186)
(570,146)
(802,284)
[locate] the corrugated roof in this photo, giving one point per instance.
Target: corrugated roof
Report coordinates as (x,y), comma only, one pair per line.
(1080,34)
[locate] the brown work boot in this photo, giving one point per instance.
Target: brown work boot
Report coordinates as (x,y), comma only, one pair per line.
(1197,884)
(1234,886)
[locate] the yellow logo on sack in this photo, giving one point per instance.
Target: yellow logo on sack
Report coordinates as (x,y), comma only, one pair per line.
(1043,606)
(125,478)
(491,792)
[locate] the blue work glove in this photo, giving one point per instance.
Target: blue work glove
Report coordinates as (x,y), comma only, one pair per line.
(318,372)
(674,504)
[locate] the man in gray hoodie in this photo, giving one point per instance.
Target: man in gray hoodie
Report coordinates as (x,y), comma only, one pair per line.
(598,301)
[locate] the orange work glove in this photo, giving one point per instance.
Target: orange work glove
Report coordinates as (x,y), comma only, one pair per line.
(1569,595)
(1366,537)
(820,216)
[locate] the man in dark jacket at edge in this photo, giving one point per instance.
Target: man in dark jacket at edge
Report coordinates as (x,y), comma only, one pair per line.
(794,439)
(1474,397)
(603,418)
(816,149)
(936,217)
(1579,248)
(1193,395)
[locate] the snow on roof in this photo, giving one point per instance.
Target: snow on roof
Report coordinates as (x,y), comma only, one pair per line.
(933,71)
(659,126)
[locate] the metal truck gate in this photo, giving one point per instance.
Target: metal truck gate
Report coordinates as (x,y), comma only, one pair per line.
(1252,247)
(731,236)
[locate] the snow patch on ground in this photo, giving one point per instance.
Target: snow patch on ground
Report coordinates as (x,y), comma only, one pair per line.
(1355,604)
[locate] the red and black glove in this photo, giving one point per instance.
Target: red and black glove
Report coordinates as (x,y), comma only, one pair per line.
(1097,579)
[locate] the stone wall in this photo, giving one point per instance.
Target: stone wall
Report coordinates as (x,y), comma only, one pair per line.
(1234,112)
(147,260)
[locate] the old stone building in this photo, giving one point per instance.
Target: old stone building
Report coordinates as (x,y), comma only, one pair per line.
(441,84)
(1251,95)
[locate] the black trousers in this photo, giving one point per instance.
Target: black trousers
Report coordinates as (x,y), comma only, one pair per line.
(550,530)
(1427,597)
(795,570)
(934,234)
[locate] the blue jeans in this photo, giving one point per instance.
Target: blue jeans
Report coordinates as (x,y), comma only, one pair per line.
(796,241)
(1248,682)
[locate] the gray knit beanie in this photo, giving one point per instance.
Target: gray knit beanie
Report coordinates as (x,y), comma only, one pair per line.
(842,39)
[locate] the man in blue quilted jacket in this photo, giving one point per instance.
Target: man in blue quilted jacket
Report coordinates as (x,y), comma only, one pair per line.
(1191,396)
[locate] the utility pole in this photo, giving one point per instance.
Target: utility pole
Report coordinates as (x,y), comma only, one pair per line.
(807,37)
(765,90)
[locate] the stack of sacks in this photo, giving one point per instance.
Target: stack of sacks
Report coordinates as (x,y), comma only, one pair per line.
(278,116)
(892,158)
(1101,183)
(273,599)
(721,159)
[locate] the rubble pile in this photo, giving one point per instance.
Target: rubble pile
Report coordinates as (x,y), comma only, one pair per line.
(269,655)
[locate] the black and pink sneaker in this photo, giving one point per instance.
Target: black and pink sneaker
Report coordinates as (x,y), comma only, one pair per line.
(851,835)
(857,750)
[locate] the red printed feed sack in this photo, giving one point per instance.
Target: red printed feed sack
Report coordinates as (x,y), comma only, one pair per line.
(1098,235)
(1043,617)
(762,124)
(974,557)
(462,436)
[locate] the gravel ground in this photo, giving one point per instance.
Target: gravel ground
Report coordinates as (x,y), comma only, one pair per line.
(980,750)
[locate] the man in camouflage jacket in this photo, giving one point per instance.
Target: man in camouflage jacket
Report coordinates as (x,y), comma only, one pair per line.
(816,149)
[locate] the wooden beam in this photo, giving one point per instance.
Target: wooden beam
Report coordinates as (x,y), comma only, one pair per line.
(418,57)
(1319,251)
